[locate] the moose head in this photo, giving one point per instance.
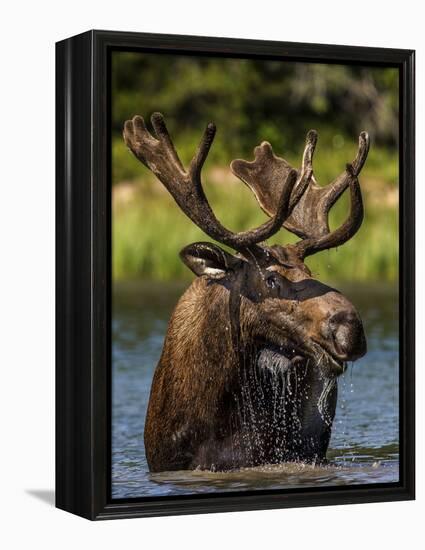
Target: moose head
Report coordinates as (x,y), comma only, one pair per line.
(252,321)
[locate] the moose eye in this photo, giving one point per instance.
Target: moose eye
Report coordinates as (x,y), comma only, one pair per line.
(272,282)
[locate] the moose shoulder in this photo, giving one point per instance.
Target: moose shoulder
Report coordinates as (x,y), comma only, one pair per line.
(248,371)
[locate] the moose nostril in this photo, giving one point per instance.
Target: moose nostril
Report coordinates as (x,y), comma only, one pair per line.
(348,335)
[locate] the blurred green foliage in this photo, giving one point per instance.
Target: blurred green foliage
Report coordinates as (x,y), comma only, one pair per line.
(150,230)
(251,101)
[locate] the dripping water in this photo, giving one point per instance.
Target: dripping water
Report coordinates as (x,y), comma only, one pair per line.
(323,401)
(269,406)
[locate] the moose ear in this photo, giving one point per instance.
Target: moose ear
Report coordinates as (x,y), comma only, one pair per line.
(208,259)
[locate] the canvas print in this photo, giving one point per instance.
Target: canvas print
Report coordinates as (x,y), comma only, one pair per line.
(255,341)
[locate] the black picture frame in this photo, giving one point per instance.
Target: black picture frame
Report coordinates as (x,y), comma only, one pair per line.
(83,275)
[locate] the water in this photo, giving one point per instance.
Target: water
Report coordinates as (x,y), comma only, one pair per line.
(364,446)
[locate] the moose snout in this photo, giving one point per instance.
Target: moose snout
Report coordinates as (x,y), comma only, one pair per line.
(348,338)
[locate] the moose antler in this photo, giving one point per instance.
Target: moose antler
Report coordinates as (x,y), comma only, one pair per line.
(159,155)
(310,203)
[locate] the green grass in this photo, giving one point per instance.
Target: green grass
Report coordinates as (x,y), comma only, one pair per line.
(330,158)
(149,230)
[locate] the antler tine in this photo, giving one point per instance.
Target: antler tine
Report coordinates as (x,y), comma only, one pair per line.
(201,154)
(336,188)
(306,172)
(310,146)
(160,156)
(363,151)
(161,132)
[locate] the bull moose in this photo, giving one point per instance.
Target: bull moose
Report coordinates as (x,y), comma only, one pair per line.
(248,372)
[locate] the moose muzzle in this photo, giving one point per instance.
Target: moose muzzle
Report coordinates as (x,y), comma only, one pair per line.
(347,335)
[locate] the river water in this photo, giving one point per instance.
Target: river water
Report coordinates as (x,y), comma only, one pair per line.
(364,446)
